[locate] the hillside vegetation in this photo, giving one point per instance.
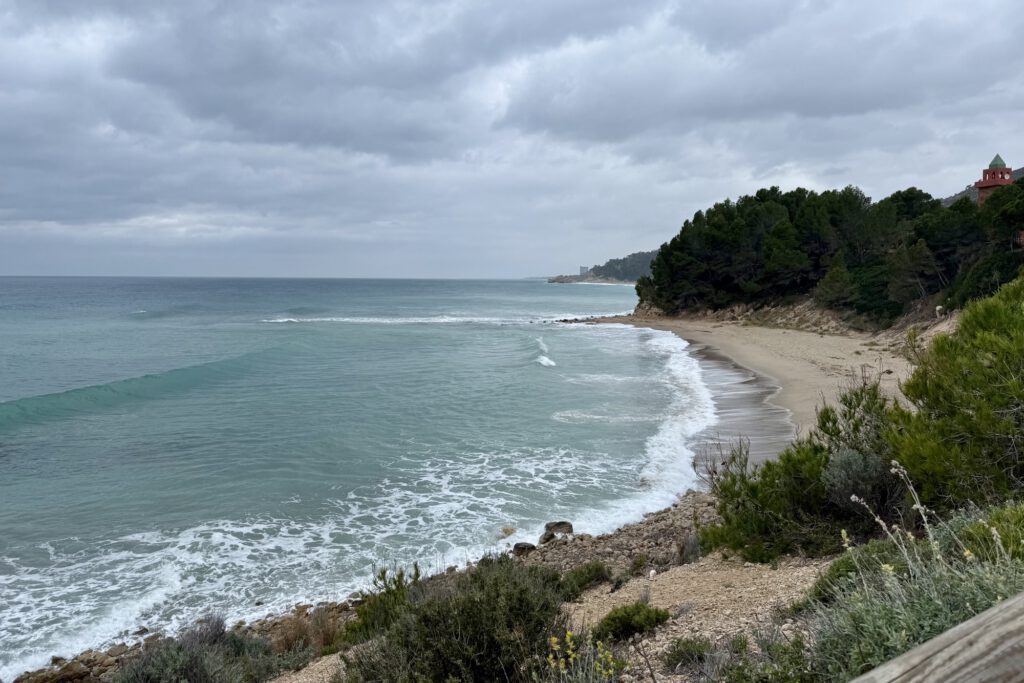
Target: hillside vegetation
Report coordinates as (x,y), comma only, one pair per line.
(628,268)
(853,255)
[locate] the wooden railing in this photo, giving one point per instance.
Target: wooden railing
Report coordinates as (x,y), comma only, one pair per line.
(987,648)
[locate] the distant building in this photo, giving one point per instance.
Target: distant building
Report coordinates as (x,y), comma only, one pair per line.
(996,175)
(584,270)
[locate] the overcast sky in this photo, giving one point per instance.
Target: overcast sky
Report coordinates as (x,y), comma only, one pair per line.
(468,138)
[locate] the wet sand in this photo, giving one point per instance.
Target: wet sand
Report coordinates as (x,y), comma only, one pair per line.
(790,370)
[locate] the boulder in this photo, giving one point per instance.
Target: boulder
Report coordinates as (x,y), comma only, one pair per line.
(553,530)
(523,549)
(559,527)
(118,650)
(72,671)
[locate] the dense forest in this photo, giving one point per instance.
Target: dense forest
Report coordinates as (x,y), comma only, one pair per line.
(632,267)
(853,255)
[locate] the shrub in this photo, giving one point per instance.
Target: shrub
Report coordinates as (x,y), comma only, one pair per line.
(620,580)
(965,441)
(777,660)
(638,564)
(492,623)
(886,611)
(627,620)
(686,652)
(780,506)
(865,559)
(689,549)
(851,473)
(738,644)
(381,607)
(579,579)
(293,633)
(570,660)
(207,653)
(1002,531)
(984,277)
(856,434)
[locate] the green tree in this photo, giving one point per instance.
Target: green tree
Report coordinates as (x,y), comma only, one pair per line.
(836,289)
(784,261)
(913,273)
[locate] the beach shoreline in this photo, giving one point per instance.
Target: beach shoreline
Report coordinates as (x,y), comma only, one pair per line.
(807,368)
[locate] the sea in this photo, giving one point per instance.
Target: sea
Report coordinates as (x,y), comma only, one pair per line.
(171,448)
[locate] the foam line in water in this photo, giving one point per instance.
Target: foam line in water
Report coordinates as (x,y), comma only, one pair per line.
(667,470)
(552,317)
(168,312)
(545,361)
(100,397)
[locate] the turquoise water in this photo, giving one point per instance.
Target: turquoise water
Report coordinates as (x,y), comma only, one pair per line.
(170,447)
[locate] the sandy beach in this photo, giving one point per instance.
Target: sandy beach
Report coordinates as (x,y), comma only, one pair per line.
(808,369)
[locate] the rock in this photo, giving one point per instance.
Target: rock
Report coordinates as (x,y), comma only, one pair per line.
(141,632)
(559,527)
(72,671)
(523,549)
(553,530)
(118,650)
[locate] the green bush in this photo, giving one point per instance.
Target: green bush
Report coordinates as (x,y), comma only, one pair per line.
(1006,523)
(780,506)
(856,433)
(686,652)
(627,620)
(890,607)
(777,660)
(571,660)
(389,599)
(984,277)
(799,501)
(738,644)
(860,560)
(964,442)
(492,622)
(588,575)
(207,653)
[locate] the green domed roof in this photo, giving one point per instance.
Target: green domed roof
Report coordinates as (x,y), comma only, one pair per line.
(997,162)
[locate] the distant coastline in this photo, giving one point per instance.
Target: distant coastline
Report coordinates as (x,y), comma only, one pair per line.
(589,278)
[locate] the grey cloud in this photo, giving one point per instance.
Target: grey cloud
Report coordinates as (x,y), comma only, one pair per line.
(465,138)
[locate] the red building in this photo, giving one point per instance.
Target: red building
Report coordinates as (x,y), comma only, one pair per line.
(996,175)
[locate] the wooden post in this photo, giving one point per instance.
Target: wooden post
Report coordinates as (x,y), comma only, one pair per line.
(988,648)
